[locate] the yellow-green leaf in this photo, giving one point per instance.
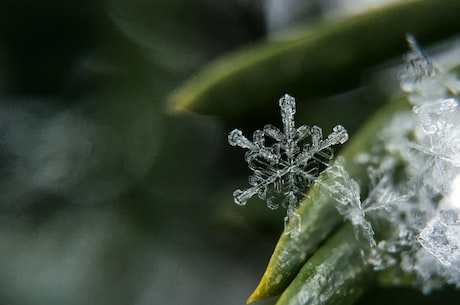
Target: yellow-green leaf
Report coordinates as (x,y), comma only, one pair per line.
(335,274)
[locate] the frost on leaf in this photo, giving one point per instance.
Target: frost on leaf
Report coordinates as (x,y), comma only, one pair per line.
(284,163)
(441,238)
(412,202)
(346,193)
(433,94)
(381,199)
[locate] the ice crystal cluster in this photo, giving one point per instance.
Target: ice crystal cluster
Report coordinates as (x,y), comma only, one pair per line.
(413,202)
(284,163)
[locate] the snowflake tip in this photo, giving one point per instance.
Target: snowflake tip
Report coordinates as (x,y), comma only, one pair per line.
(236,138)
(241,197)
(339,135)
(418,66)
(287,105)
(287,102)
(413,44)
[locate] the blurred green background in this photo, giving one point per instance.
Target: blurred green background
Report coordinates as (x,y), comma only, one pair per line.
(109,197)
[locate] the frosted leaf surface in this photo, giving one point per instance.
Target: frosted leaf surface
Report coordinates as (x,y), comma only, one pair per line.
(413,198)
(431,92)
(382,199)
(441,238)
(284,163)
(346,192)
(425,221)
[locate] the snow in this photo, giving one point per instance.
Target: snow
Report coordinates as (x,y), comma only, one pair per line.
(283,170)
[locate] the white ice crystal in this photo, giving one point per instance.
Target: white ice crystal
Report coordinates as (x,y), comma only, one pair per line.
(413,200)
(285,163)
(441,238)
(382,198)
(426,227)
(430,230)
(346,192)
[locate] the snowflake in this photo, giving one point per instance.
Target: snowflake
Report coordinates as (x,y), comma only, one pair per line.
(285,163)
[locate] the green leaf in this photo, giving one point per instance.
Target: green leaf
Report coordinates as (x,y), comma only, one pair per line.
(316,61)
(335,274)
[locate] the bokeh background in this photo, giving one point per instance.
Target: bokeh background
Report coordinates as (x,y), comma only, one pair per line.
(105,196)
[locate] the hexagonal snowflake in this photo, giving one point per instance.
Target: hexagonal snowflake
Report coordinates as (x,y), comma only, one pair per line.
(285,163)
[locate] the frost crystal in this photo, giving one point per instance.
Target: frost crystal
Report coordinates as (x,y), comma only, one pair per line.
(346,192)
(413,200)
(381,199)
(285,163)
(441,238)
(426,226)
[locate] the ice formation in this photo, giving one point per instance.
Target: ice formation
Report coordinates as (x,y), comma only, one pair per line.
(433,163)
(413,201)
(285,163)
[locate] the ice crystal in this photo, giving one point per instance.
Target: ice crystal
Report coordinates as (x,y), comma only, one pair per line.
(434,153)
(381,199)
(413,202)
(441,238)
(426,226)
(346,192)
(285,163)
